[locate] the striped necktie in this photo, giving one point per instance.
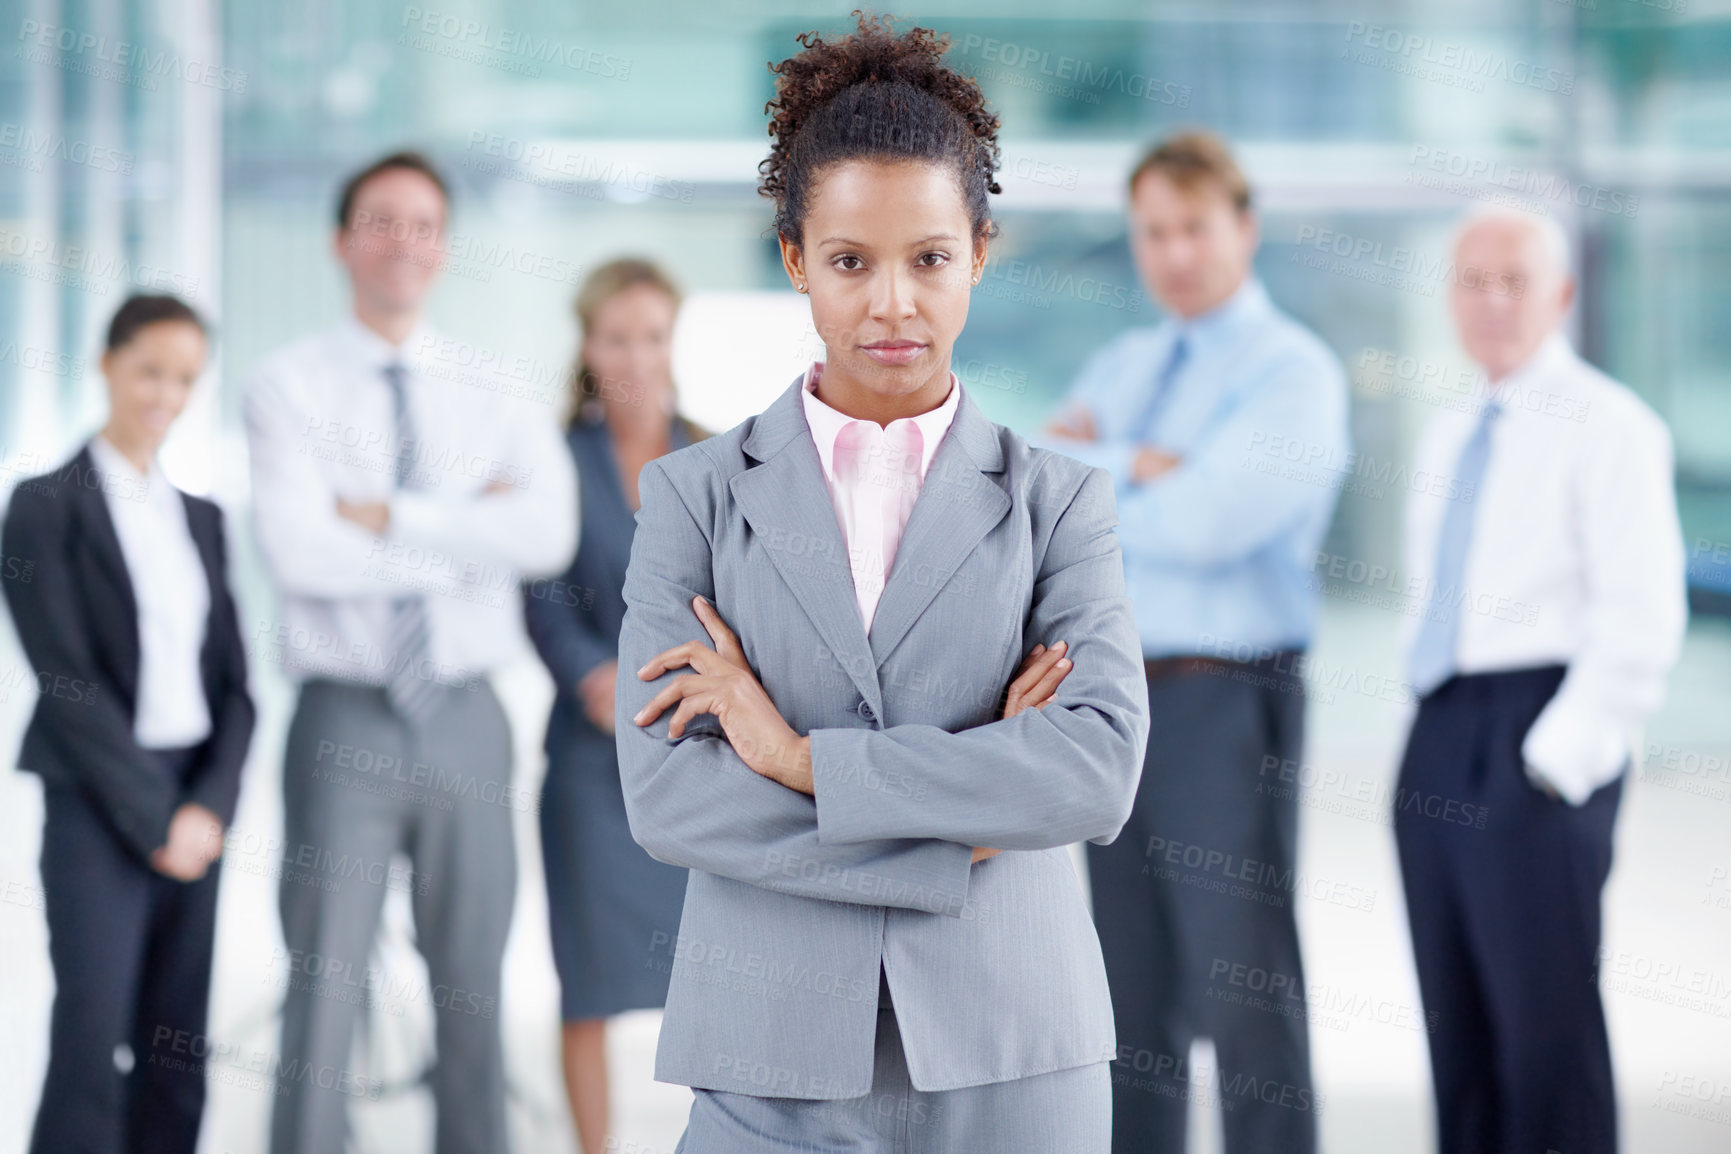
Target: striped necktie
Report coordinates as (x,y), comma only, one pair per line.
(1162,393)
(408,644)
(1432,660)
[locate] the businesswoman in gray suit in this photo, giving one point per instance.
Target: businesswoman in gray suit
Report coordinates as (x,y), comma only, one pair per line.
(822,706)
(120,596)
(614,909)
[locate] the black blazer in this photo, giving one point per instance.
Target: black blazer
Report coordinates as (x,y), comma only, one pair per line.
(71,598)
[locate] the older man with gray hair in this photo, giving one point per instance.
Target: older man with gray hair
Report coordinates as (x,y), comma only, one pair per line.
(1555,608)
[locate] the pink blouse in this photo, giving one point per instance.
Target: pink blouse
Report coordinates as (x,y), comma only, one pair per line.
(874,475)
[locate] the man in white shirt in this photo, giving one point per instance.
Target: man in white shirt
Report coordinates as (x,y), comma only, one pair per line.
(397,508)
(1552,574)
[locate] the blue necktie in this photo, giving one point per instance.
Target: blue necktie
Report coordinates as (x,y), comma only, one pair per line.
(1143,429)
(1432,660)
(410,640)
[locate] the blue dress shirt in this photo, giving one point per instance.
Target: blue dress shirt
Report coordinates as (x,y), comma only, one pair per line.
(1218,550)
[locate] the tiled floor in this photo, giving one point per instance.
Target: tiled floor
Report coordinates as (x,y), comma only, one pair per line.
(1668,988)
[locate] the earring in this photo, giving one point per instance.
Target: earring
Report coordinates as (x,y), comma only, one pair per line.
(801,286)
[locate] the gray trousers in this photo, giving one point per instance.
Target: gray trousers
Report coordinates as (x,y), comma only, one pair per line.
(1063,1112)
(360,784)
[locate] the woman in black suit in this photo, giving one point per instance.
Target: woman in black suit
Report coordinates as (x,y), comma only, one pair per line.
(614,909)
(121,600)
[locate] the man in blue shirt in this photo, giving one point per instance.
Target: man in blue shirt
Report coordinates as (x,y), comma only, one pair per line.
(1223,428)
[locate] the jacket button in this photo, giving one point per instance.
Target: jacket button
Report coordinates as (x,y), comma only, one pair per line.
(865,710)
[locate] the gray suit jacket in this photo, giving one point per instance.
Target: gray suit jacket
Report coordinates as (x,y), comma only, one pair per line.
(994,968)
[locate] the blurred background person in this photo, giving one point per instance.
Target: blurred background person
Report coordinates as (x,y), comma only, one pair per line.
(614,910)
(395,506)
(1555,610)
(1217,554)
(139,736)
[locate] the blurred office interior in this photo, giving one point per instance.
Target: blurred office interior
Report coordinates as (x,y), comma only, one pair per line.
(197,145)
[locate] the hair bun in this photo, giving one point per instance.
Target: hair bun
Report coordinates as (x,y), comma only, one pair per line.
(873,55)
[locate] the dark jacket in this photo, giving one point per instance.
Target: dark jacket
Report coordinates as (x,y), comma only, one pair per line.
(574,619)
(66,582)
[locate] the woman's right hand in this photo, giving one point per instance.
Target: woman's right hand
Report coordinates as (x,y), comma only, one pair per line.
(194,841)
(1035,684)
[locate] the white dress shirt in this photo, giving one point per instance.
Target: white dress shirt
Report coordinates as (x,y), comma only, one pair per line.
(1576,558)
(321,424)
(875,473)
(171,590)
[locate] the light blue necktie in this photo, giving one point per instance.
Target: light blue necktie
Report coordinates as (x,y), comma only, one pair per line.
(1432,660)
(1143,429)
(409,643)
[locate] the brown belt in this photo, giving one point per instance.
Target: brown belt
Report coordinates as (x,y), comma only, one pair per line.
(1158,667)
(1280,662)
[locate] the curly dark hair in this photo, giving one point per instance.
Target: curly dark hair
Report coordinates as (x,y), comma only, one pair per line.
(876,94)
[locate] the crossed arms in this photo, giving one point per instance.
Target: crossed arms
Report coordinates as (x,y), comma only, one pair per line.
(807,813)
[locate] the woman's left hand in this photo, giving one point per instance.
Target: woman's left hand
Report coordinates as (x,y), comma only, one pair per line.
(724,685)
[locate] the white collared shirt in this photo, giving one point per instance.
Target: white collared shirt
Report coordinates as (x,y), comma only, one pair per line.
(321,424)
(881,470)
(1576,557)
(171,591)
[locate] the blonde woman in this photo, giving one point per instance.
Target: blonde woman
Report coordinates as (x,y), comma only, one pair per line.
(614,909)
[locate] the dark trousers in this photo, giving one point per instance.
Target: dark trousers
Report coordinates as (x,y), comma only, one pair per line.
(1506,925)
(131,951)
(1198,888)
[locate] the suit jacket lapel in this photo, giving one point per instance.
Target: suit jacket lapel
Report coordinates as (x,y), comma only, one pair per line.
(205,535)
(957,506)
(99,532)
(786,501)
